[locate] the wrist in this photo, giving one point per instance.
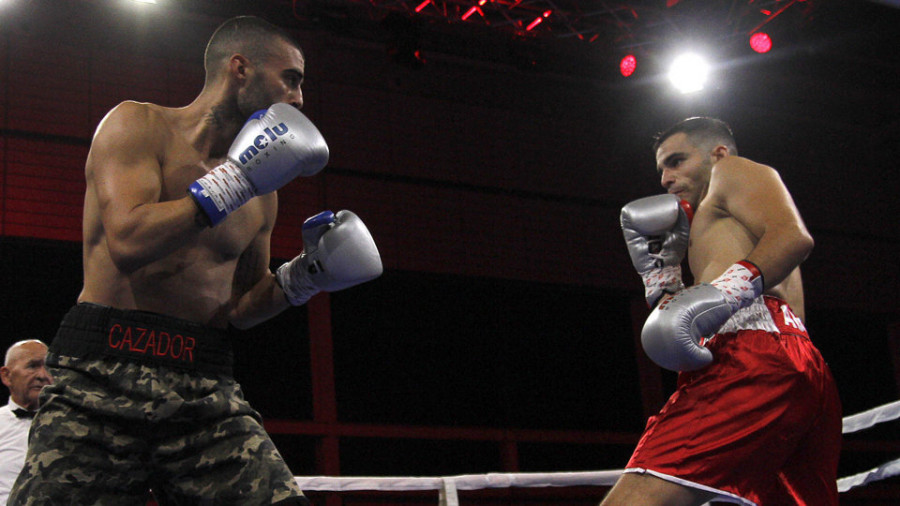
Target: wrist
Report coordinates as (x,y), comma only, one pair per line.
(660,281)
(201,217)
(741,284)
(221,191)
(295,281)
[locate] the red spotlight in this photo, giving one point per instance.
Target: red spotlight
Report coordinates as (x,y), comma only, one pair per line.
(628,65)
(474,9)
(760,42)
(471,11)
(422,5)
(538,20)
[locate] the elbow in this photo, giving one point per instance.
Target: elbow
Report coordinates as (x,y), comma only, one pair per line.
(126,265)
(241,324)
(262,302)
(244,322)
(126,258)
(805,244)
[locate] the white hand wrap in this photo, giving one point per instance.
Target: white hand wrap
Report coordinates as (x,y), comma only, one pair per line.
(740,284)
(227,187)
(295,281)
(660,281)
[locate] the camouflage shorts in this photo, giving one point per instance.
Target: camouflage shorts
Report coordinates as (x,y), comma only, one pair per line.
(110,430)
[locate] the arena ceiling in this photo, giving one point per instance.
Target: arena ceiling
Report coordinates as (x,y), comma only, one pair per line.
(589,37)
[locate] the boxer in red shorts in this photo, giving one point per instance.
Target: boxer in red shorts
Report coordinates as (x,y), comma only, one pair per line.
(756,417)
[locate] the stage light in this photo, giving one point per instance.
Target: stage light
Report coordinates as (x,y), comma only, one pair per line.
(628,65)
(538,20)
(474,9)
(760,42)
(422,5)
(688,73)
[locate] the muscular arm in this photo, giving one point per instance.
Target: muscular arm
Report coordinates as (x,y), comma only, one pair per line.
(256,295)
(754,195)
(124,171)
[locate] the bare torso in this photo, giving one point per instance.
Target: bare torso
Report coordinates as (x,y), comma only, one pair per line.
(194,280)
(718,240)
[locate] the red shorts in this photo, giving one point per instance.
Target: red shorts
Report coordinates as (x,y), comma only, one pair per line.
(761,424)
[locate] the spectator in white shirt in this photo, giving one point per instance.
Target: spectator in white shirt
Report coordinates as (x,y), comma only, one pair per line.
(24,374)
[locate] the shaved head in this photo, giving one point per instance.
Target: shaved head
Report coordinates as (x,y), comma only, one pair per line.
(249,36)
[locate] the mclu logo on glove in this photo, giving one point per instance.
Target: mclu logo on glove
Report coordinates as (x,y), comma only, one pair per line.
(260,143)
(273,147)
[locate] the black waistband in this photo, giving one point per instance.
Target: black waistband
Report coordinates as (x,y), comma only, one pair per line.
(91,330)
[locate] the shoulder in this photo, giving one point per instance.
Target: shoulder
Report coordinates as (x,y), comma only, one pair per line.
(734,173)
(736,166)
(130,111)
(133,130)
(134,119)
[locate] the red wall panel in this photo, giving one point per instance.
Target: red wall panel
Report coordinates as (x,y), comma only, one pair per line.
(43,189)
(48,87)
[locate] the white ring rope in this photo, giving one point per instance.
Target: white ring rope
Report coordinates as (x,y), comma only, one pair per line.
(882,472)
(461,482)
(448,485)
(872,417)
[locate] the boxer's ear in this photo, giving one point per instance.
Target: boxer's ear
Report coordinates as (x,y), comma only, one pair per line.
(238,66)
(719,152)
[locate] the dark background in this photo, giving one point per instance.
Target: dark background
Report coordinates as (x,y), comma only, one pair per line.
(491,177)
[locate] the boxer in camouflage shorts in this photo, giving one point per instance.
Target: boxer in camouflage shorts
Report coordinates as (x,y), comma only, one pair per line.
(134,410)
(179,208)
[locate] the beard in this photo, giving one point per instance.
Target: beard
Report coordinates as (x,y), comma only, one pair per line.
(253,98)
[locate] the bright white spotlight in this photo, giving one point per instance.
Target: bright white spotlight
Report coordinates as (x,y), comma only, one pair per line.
(688,73)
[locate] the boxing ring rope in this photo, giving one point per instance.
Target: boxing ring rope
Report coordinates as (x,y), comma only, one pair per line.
(447,486)
(872,417)
(865,420)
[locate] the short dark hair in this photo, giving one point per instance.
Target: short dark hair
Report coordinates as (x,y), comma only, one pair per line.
(702,132)
(249,35)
